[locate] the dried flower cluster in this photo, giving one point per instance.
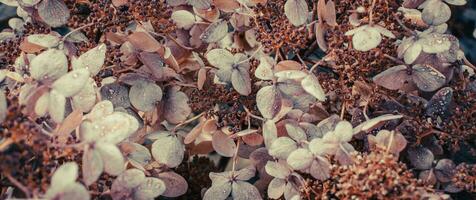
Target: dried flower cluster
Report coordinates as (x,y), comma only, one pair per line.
(235,99)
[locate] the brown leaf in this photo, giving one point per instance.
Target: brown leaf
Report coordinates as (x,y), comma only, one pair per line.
(287,65)
(118,3)
(68,125)
(223,144)
(253,139)
(193,134)
(29,47)
(202,148)
(427,78)
(211,15)
(320,36)
(176,108)
(202,77)
(330,14)
(144,42)
(226,5)
(393,78)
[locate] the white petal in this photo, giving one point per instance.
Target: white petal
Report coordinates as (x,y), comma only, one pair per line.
(218,192)
(168,150)
(112,157)
(149,189)
(57,106)
(50,64)
(244,191)
(220,58)
(277,169)
(92,60)
(92,166)
(282,147)
(276,188)
(65,174)
(72,82)
(300,159)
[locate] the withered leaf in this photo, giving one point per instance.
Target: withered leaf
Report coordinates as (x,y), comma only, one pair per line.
(175,185)
(215,32)
(240,79)
(420,157)
(145,95)
(393,78)
(114,162)
(427,78)
(311,85)
(44,40)
(268,101)
(54,12)
(57,106)
(226,5)
(223,144)
(168,149)
(117,94)
(73,120)
(296,11)
(330,13)
(176,108)
(144,42)
(439,104)
(149,189)
(320,36)
(92,166)
(201,78)
(183,19)
(72,82)
(436,12)
(200,4)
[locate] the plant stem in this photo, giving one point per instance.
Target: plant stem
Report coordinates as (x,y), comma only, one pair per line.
(76,30)
(252,55)
(371,14)
(18,185)
(235,157)
(188,121)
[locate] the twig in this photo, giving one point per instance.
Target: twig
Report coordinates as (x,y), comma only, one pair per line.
(403,26)
(252,55)
(392,136)
(252,115)
(394,59)
(342,111)
(235,157)
(178,43)
(76,30)
(469,64)
(372,12)
(188,121)
(18,185)
(300,59)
